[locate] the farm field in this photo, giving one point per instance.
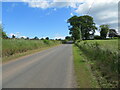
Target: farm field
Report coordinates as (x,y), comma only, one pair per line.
(10,47)
(107,44)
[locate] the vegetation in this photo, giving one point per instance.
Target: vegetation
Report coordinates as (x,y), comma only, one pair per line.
(112,33)
(104,30)
(13,46)
(103,58)
(4,35)
(81,27)
(83,73)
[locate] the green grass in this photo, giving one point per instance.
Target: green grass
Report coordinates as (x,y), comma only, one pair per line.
(106,44)
(103,58)
(83,74)
(13,48)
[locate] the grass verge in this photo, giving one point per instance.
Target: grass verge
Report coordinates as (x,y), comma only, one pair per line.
(84,77)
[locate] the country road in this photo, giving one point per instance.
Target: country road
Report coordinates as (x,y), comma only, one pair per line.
(51,68)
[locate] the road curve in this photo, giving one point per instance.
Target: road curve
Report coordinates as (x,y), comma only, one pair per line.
(51,68)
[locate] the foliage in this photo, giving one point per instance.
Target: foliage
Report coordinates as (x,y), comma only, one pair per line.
(47,38)
(4,35)
(68,38)
(36,38)
(81,27)
(104,30)
(13,36)
(112,33)
(103,60)
(82,72)
(97,37)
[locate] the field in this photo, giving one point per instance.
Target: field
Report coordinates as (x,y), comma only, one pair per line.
(11,47)
(102,56)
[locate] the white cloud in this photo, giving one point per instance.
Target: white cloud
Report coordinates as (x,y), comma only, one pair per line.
(58,36)
(23,36)
(71,14)
(103,11)
(11,34)
(17,35)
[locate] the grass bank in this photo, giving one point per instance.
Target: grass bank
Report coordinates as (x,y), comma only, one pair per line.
(13,48)
(103,58)
(83,74)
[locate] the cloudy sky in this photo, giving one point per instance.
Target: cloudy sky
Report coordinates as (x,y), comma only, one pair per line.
(44,18)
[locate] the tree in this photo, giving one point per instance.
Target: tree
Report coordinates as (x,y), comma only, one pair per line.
(68,38)
(27,38)
(4,35)
(36,38)
(13,36)
(112,33)
(104,30)
(81,27)
(47,38)
(42,38)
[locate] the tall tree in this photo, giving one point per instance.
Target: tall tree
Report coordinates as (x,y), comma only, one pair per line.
(4,35)
(81,27)
(104,30)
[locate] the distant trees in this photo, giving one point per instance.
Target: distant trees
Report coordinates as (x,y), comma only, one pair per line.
(42,38)
(13,36)
(36,38)
(104,29)
(47,38)
(4,35)
(112,33)
(27,38)
(81,27)
(68,38)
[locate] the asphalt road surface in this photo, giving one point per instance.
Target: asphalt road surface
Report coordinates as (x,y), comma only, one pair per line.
(51,68)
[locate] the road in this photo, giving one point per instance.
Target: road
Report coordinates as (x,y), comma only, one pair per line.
(51,68)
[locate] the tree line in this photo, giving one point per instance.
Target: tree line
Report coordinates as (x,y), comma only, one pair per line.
(84,27)
(4,36)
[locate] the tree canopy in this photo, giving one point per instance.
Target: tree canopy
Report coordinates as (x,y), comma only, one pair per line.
(4,35)
(104,30)
(112,33)
(81,27)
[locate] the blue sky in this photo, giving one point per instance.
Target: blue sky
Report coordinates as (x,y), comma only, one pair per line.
(22,20)
(48,17)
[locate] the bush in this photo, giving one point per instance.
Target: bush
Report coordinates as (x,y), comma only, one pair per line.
(97,37)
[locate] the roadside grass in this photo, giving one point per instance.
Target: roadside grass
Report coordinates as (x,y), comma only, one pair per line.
(12,49)
(21,55)
(103,58)
(84,77)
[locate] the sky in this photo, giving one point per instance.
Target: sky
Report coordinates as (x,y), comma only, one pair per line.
(48,18)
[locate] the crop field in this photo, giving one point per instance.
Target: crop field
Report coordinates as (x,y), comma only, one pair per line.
(13,46)
(103,58)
